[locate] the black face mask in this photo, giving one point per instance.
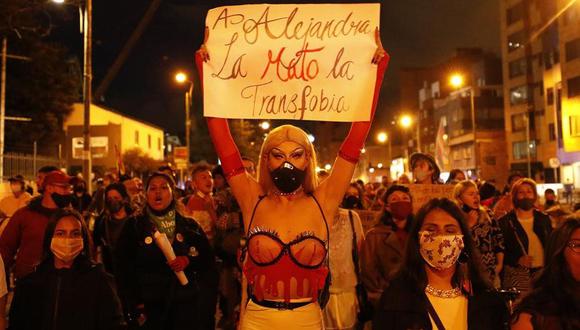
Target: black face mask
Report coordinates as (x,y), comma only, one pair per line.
(115,206)
(79,190)
(351,202)
(550,202)
(61,201)
(466,208)
(287,178)
(525,204)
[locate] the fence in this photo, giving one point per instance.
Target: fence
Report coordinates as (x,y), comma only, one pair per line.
(27,164)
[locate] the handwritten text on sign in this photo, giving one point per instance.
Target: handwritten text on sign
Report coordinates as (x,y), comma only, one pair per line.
(423,193)
(308,62)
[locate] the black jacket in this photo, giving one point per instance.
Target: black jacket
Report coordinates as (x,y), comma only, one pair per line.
(513,251)
(80,298)
(402,308)
(143,274)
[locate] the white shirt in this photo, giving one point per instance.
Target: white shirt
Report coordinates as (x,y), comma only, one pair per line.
(341,264)
(535,249)
(451,311)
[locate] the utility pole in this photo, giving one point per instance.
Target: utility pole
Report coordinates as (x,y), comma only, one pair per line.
(87,81)
(3,105)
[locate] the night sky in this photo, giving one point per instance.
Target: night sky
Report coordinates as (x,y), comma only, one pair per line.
(416,33)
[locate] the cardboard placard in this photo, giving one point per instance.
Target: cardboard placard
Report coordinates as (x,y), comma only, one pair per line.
(300,62)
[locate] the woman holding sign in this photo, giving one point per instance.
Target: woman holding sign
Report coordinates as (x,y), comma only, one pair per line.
(287,213)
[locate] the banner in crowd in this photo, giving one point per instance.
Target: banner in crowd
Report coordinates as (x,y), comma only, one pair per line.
(422,193)
(302,62)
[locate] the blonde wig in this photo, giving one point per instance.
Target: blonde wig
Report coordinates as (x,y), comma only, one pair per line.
(276,137)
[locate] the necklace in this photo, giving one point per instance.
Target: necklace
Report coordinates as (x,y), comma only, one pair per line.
(294,193)
(453,293)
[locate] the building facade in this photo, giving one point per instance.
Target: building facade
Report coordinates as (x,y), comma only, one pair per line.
(110,131)
(541,73)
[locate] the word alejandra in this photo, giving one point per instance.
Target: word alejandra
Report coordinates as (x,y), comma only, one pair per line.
(295,103)
(286,27)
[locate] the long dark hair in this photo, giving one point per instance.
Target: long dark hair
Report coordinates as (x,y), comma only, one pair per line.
(49,233)
(387,217)
(555,290)
(413,267)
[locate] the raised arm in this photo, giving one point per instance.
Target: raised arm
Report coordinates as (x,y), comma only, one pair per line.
(332,190)
(245,188)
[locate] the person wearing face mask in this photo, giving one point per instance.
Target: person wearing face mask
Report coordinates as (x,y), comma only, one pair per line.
(439,285)
(485,231)
(352,198)
(526,231)
(81,200)
(67,290)
(17,200)
(150,290)
(287,214)
(425,169)
(110,223)
(21,242)
(382,249)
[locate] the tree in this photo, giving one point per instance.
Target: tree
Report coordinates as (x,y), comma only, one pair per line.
(43,88)
(137,163)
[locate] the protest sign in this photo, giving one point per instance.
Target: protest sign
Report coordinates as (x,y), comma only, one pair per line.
(422,193)
(301,62)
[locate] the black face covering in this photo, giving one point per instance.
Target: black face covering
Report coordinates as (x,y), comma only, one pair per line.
(287,178)
(466,208)
(115,206)
(525,204)
(61,201)
(351,202)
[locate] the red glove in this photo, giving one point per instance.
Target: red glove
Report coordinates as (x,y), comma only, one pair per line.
(178,264)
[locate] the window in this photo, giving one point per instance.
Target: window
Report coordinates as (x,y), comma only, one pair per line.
(573,49)
(519,95)
(521,149)
(149,141)
(574,87)
(518,67)
(519,122)
(575,126)
(136,137)
(515,13)
(552,132)
(158,143)
(516,40)
(550,96)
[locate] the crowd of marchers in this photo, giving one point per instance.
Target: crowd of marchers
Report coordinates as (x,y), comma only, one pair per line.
(76,261)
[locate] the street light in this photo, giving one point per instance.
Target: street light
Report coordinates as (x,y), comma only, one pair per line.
(181,78)
(87,86)
(457,81)
(406,121)
(311,138)
(265,125)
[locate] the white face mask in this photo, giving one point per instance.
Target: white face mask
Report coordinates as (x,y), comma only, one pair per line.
(66,249)
(441,251)
(420,175)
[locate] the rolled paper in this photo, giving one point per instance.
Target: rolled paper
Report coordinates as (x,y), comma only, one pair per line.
(165,246)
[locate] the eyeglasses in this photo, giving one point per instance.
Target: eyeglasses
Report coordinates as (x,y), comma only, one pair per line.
(574,246)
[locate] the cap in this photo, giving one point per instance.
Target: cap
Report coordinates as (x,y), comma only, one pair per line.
(16,178)
(427,157)
(58,178)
